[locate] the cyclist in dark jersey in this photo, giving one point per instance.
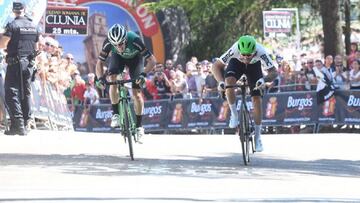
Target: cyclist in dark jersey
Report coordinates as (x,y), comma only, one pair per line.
(127,49)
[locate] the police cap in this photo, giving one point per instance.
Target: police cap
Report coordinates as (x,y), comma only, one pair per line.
(17,6)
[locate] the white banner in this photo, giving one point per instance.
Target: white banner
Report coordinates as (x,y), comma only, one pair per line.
(277,21)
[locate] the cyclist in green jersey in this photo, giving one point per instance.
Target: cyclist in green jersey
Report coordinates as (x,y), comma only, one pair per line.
(127,49)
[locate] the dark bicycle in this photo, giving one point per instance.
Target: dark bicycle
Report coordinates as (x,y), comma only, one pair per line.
(245,129)
(126,118)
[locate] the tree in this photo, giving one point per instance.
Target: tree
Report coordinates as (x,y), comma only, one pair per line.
(333,43)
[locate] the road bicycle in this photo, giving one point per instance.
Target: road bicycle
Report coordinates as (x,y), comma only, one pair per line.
(245,129)
(126,118)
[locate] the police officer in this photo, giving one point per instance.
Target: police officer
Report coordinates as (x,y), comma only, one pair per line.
(20,39)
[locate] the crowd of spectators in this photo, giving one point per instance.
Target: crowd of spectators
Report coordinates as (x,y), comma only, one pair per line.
(193,79)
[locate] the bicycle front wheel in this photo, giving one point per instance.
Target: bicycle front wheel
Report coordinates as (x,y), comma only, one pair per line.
(244,135)
(128,129)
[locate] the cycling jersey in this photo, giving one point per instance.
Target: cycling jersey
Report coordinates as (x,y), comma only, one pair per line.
(134,47)
(260,55)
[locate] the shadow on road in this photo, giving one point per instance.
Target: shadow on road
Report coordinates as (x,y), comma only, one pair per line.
(191,166)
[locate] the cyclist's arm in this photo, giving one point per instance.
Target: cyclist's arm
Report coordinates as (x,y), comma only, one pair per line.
(272,74)
(150,63)
(106,48)
(145,52)
(218,69)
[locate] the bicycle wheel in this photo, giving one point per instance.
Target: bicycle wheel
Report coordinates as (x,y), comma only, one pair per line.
(244,135)
(127,128)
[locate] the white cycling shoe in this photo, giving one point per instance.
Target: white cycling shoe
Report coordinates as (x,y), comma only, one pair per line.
(234,121)
(115,121)
(258,144)
(139,132)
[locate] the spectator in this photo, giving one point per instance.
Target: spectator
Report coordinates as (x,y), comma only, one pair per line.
(91,96)
(341,74)
(179,86)
(168,67)
(77,92)
(328,69)
(69,65)
(210,85)
(352,56)
(295,63)
(311,81)
(200,76)
(190,79)
(329,64)
(161,82)
(287,78)
(355,75)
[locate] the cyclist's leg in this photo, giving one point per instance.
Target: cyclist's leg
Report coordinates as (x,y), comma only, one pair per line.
(254,73)
(136,66)
(116,66)
(233,72)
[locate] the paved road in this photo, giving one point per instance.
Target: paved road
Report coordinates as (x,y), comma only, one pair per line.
(51,166)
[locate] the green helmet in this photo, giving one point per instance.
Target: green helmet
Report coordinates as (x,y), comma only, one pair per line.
(247,44)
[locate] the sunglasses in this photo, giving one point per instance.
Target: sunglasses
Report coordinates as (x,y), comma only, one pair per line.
(69,58)
(247,55)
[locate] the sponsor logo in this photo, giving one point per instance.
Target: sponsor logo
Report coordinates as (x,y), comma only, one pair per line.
(266,59)
(227,56)
(299,103)
(353,101)
(249,104)
(103,114)
(153,110)
(200,108)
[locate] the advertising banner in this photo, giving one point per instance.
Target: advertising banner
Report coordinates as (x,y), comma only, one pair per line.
(292,108)
(300,108)
(221,111)
(273,109)
(328,111)
(277,21)
(103,14)
(200,115)
(177,114)
(349,107)
(155,115)
(66,20)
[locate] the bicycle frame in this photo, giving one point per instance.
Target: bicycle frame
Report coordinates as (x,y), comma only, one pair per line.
(246,126)
(126,119)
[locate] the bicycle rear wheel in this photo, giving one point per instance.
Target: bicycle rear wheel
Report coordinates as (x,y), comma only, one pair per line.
(244,135)
(128,129)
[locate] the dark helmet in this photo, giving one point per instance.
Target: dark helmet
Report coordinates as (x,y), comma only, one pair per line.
(17,6)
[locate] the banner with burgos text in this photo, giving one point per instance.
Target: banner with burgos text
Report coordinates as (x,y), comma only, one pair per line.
(292,108)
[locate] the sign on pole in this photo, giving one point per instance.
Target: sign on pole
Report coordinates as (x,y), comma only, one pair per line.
(66,20)
(277,22)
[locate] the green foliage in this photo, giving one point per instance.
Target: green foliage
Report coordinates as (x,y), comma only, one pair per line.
(217,24)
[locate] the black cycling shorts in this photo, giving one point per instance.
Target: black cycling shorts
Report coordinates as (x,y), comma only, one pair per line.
(135,65)
(253,72)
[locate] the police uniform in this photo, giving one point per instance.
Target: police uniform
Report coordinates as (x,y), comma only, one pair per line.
(23,36)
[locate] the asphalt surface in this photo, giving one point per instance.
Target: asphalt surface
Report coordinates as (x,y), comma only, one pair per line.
(55,166)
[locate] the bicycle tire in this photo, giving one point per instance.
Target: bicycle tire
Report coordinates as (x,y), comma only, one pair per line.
(244,135)
(127,130)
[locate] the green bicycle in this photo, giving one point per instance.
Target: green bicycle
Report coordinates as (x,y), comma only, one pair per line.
(126,118)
